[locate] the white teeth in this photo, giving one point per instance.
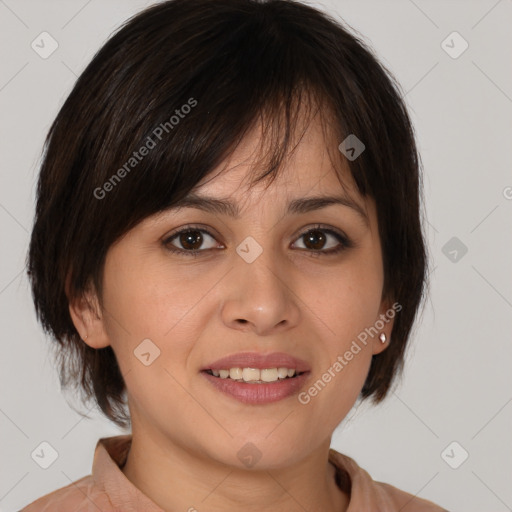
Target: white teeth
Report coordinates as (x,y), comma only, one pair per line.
(269,375)
(250,374)
(255,374)
(235,373)
(282,373)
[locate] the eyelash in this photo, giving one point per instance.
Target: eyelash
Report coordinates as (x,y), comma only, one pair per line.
(345,242)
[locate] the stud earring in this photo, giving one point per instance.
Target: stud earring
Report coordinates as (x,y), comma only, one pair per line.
(382,337)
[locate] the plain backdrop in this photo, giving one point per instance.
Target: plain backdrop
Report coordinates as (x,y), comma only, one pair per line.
(444,433)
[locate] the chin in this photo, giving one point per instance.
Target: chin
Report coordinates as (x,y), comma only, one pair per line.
(257,453)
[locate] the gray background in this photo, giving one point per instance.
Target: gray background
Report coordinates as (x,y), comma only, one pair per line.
(457,384)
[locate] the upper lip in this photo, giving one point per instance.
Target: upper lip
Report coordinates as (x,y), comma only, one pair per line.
(261,361)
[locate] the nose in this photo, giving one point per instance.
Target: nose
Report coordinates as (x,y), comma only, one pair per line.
(259,296)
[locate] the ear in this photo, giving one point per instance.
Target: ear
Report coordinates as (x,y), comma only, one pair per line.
(384,324)
(86,314)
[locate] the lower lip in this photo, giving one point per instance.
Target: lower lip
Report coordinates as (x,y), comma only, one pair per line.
(258,393)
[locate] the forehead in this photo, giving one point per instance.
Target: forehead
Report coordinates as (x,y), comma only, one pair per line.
(313,166)
(313,175)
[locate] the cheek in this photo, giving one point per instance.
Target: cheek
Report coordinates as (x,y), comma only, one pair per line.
(159,304)
(149,300)
(152,301)
(349,300)
(348,305)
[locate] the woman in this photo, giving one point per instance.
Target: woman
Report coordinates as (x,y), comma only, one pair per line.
(228,252)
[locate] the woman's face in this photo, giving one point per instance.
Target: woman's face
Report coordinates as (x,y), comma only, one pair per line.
(263,283)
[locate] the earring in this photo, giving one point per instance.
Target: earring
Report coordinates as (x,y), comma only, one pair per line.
(382,337)
(86,336)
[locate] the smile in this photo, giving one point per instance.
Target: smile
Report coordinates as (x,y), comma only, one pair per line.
(255,375)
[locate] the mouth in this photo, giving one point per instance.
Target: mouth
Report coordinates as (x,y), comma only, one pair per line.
(255,378)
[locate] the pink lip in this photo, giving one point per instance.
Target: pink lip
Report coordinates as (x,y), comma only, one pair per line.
(259,394)
(261,361)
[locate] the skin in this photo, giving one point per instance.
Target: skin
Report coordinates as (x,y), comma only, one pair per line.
(186,434)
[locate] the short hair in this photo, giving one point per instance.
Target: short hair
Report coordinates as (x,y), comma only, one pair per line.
(197,75)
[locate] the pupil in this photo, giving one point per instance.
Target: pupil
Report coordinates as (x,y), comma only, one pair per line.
(191,239)
(316,238)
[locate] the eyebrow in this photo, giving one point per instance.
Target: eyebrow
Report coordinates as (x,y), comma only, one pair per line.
(225,206)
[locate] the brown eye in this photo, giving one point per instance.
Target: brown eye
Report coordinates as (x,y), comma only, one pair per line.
(317,241)
(314,240)
(189,241)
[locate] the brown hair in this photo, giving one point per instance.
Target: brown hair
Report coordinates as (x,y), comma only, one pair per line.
(228,61)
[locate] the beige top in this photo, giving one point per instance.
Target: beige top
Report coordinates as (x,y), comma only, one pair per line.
(107,488)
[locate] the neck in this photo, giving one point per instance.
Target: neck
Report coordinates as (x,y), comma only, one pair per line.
(177,478)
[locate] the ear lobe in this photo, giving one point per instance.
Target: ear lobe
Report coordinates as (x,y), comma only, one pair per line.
(378,346)
(85,312)
(384,323)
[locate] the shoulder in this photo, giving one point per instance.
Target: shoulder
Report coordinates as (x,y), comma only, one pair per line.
(406,502)
(370,495)
(80,496)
